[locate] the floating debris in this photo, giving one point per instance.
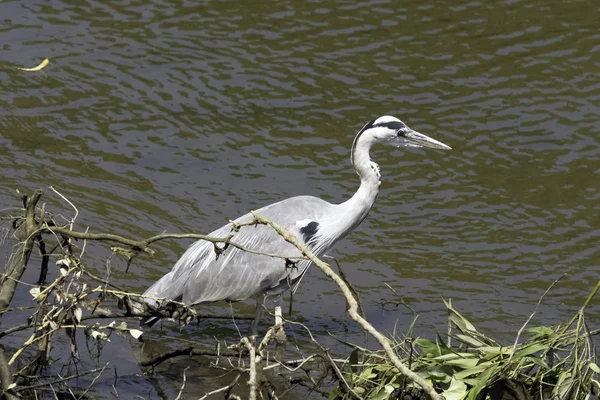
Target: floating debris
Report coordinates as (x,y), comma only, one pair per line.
(38,68)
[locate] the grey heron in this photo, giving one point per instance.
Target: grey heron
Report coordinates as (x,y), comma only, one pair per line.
(201,277)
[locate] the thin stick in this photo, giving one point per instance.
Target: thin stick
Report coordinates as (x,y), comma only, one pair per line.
(449,344)
(142,245)
(93,382)
(71,204)
(583,307)
(223,389)
(190,351)
(60,380)
(334,367)
(182,384)
(531,316)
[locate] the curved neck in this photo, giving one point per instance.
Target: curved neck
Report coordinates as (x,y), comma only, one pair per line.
(358,206)
(349,214)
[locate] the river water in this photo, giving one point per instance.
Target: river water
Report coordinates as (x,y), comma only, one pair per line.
(178,116)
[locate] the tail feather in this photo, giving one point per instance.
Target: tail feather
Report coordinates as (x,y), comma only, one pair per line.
(170,287)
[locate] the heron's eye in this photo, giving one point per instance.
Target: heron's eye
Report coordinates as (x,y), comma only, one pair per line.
(402,132)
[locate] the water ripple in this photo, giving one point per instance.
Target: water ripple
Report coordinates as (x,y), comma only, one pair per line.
(178,117)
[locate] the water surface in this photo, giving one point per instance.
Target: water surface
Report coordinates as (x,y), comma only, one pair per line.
(178,116)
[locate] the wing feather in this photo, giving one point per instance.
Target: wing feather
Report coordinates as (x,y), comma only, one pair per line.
(199,276)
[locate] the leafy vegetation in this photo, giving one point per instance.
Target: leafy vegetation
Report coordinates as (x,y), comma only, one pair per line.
(542,363)
(552,363)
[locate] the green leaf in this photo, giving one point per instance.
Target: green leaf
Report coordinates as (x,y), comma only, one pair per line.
(383,368)
(529,349)
(411,328)
(461,322)
(453,356)
(471,341)
(442,373)
(483,380)
(594,367)
(563,386)
(494,350)
(383,394)
(471,381)
(540,332)
(351,345)
(464,363)
(537,361)
(475,370)
(334,393)
(432,349)
(456,391)
(367,374)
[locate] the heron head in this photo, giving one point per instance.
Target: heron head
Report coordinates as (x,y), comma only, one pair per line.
(390,130)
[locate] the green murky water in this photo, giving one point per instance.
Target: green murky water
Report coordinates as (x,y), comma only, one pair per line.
(178,116)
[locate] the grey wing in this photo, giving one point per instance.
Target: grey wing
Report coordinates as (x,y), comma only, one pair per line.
(199,276)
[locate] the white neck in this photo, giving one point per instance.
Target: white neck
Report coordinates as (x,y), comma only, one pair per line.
(354,210)
(359,205)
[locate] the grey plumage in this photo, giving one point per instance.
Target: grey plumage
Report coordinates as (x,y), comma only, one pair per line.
(200,276)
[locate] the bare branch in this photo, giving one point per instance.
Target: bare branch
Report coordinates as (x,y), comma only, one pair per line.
(182,384)
(512,353)
(254,360)
(59,380)
(353,306)
(223,389)
(142,245)
(190,351)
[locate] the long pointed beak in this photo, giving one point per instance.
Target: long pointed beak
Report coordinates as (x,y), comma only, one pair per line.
(416,139)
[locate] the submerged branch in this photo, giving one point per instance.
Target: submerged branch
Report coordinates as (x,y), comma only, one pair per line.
(59,380)
(187,352)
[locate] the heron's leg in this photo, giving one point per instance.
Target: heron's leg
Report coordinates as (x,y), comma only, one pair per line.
(260,302)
